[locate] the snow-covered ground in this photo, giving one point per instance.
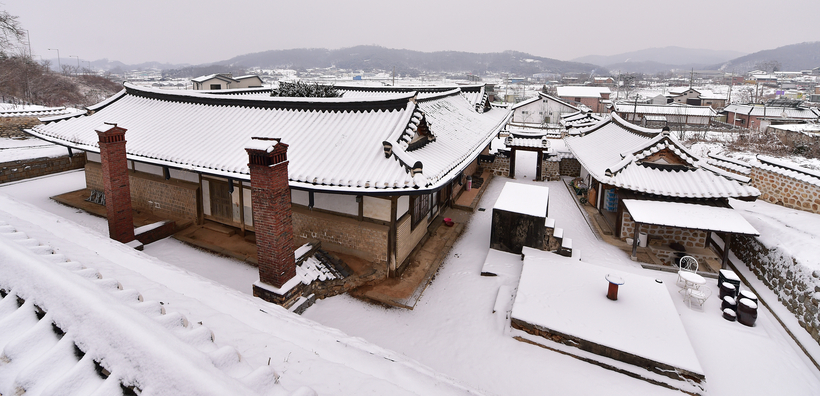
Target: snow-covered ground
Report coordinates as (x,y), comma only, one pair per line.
(452,329)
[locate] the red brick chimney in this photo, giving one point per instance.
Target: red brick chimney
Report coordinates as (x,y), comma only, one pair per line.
(115,181)
(268,163)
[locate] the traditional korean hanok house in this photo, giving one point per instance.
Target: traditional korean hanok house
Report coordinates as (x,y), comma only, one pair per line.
(626,166)
(366,175)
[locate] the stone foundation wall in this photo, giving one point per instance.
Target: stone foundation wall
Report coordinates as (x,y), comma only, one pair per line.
(796,286)
(786,191)
(570,167)
(550,170)
(338,233)
(152,194)
(13,126)
(499,167)
(28,168)
(684,236)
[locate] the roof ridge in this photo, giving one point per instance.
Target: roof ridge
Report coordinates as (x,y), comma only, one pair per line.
(392,102)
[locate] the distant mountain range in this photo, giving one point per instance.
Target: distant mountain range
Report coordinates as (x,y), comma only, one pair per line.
(366,58)
(795,57)
(408,62)
(660,60)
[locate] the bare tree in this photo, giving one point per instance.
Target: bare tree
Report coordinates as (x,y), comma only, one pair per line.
(12,32)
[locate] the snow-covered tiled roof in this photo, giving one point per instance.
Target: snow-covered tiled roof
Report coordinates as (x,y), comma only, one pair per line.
(613,152)
(65,327)
(687,215)
(37,112)
(774,111)
(474,94)
(525,102)
(581,119)
(789,169)
(728,163)
(335,144)
(677,110)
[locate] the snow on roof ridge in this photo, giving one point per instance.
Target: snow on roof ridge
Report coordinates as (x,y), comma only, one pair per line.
(328,103)
(765,159)
(632,127)
(429,96)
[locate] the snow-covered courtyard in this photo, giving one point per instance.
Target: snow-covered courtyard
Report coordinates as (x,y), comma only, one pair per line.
(452,330)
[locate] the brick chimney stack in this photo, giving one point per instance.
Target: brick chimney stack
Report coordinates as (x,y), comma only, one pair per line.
(115,182)
(268,163)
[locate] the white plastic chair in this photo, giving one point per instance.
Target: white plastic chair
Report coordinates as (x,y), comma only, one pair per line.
(700,296)
(689,264)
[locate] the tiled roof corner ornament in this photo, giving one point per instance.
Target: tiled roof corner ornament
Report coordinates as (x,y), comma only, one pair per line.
(388,149)
(665,131)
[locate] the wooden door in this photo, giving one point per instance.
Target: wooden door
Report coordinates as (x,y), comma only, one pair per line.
(221,204)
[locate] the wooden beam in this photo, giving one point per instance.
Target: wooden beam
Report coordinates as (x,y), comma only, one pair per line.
(539,156)
(512,163)
(635,241)
(727,244)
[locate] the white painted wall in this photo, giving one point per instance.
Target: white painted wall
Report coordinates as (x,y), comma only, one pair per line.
(338,203)
(403,205)
(377,208)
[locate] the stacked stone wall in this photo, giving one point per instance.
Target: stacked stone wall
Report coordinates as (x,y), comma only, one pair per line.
(173,198)
(343,234)
(569,167)
(550,170)
(28,168)
(11,127)
(796,286)
(684,236)
(499,167)
(786,191)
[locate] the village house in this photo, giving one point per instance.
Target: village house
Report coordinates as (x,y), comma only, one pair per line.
(366,176)
(629,169)
(753,116)
(226,81)
(672,115)
(596,98)
(541,109)
(697,97)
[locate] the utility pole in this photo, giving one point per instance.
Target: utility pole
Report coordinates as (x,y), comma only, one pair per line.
(28,38)
(59,64)
(78,62)
(394,76)
(691,78)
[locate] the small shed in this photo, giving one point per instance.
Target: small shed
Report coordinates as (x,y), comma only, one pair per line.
(519,217)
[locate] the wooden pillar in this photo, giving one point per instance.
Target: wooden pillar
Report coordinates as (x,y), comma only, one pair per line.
(241,209)
(635,241)
(539,156)
(392,257)
(727,244)
(512,163)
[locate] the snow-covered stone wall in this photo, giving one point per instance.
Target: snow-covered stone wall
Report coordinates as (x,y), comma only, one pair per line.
(550,170)
(500,166)
(13,126)
(796,286)
(570,167)
(785,190)
(28,168)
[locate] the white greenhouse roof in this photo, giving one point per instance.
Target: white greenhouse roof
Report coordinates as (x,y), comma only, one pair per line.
(582,92)
(335,144)
(524,199)
(687,215)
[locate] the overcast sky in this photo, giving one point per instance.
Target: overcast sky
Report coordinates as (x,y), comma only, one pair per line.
(186,31)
